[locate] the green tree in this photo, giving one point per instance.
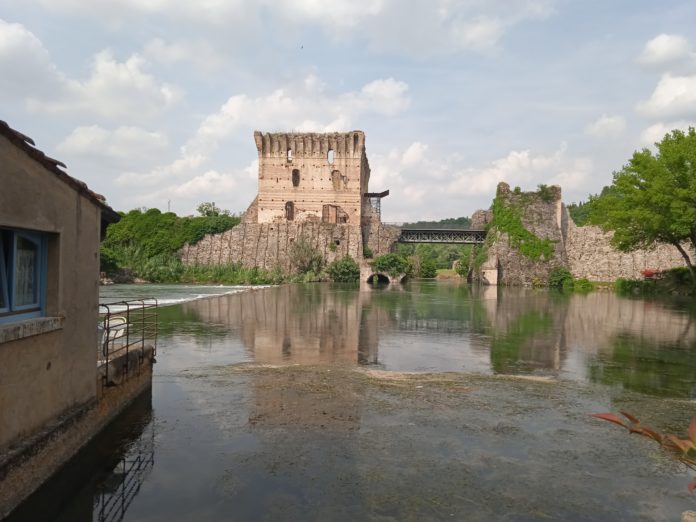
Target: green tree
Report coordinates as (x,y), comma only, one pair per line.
(653,198)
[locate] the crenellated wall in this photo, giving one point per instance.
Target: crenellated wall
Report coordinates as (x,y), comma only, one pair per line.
(324,178)
(311,177)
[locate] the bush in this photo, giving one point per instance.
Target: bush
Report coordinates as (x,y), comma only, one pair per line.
(367,252)
(392,264)
(462,266)
(304,258)
(344,270)
(428,269)
(582,285)
(634,286)
(560,277)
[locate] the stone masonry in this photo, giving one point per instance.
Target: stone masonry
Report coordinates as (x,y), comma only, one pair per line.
(586,251)
(312,187)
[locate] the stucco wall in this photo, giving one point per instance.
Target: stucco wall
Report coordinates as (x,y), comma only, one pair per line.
(321,182)
(44,375)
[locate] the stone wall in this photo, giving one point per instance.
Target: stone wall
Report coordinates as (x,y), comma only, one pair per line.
(586,251)
(267,245)
(542,217)
(591,255)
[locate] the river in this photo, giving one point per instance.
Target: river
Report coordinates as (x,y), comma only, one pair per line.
(428,401)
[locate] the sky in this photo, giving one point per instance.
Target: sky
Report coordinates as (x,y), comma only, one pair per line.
(153,103)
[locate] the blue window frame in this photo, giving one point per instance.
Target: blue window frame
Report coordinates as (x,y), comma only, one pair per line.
(22,274)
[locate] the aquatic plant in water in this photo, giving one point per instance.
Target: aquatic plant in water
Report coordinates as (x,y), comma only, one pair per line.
(683,449)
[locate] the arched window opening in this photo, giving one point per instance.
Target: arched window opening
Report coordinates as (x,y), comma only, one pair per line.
(295,178)
(330,156)
(290,211)
(289,155)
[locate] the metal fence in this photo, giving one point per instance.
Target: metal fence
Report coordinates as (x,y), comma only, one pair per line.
(125,326)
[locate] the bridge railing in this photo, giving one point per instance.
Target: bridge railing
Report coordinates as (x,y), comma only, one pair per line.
(452,236)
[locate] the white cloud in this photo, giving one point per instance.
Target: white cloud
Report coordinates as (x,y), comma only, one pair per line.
(607,126)
(199,53)
(123,145)
(656,132)
(305,106)
(666,50)
(674,96)
(420,28)
(25,65)
(114,89)
(447,186)
(525,169)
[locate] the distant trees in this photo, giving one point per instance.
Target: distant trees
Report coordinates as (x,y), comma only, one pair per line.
(653,198)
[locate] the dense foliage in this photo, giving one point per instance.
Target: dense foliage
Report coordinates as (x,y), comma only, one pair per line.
(392,264)
(651,199)
(460,222)
(560,277)
(441,255)
(343,270)
(147,241)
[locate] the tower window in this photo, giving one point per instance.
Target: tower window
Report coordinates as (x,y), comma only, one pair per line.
(330,156)
(295,178)
(290,211)
(289,155)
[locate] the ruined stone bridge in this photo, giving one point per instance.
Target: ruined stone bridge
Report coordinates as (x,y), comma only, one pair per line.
(450,236)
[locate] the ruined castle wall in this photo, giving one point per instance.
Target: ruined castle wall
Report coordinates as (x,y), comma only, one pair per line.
(543,219)
(591,255)
(267,245)
(381,238)
(308,171)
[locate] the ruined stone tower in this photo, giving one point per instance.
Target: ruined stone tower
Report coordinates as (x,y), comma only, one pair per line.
(308,177)
(313,188)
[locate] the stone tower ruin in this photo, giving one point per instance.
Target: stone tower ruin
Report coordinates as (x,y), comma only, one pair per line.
(312,187)
(307,177)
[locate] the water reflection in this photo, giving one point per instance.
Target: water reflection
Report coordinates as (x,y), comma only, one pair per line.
(99,484)
(645,346)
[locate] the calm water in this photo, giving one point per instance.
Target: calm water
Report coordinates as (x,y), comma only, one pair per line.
(215,443)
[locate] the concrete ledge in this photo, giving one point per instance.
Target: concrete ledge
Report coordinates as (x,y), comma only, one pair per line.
(29,327)
(34,460)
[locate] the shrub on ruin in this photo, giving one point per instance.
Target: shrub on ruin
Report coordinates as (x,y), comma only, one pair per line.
(392,264)
(560,277)
(344,270)
(582,285)
(305,258)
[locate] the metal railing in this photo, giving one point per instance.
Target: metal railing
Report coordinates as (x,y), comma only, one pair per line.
(126,326)
(461,237)
(125,480)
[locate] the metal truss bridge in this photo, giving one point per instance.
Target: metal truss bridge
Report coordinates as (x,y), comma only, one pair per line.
(455,237)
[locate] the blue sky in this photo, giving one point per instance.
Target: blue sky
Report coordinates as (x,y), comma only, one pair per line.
(154,102)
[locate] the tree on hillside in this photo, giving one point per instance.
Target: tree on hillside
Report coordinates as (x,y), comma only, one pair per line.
(653,198)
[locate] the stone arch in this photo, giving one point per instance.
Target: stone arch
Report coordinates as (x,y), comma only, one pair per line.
(378,278)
